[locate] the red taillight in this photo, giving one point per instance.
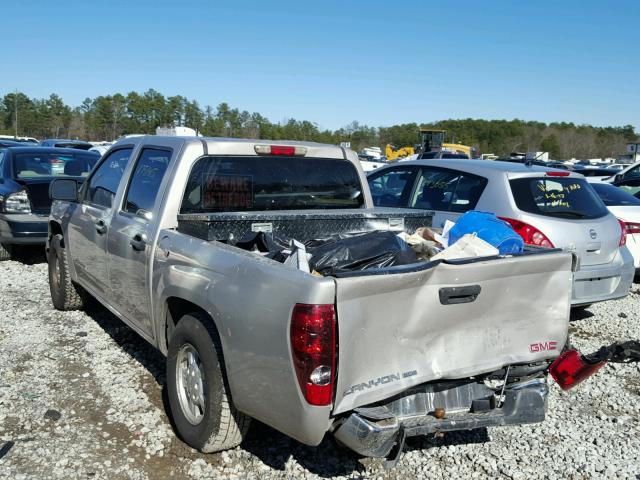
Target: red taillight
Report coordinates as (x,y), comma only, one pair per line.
(558,174)
(628,228)
(56,160)
(282,150)
(624,230)
(632,227)
(570,369)
(530,234)
(313,345)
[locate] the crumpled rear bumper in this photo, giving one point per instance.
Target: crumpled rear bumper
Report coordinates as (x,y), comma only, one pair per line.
(375,431)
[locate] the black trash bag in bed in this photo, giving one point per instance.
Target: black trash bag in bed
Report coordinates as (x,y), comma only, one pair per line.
(358,251)
(265,242)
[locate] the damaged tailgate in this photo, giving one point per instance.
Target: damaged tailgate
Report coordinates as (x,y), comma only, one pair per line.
(408,325)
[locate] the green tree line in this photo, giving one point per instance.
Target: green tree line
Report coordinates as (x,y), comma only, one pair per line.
(110,116)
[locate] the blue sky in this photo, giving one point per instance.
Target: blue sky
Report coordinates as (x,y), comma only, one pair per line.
(332,62)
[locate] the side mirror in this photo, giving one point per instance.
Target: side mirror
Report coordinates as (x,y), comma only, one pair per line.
(617,177)
(65,189)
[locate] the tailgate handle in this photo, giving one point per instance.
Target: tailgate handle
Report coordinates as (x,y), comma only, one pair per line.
(456,295)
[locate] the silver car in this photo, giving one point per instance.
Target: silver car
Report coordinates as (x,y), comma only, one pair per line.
(547,207)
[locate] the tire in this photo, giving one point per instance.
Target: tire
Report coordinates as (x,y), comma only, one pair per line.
(214,424)
(5,252)
(65,295)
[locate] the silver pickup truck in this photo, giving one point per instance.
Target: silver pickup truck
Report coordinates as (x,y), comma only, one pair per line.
(370,355)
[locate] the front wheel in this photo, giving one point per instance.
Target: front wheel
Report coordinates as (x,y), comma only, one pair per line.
(65,295)
(199,397)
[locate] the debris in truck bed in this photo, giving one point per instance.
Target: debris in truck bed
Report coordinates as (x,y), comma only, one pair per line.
(358,251)
(335,253)
(298,256)
(427,234)
(466,247)
(424,249)
(489,228)
(361,251)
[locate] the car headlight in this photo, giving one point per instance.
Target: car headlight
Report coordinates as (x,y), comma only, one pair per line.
(17,203)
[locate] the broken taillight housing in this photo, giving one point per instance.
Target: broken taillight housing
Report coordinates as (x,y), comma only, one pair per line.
(313,346)
(530,234)
(571,368)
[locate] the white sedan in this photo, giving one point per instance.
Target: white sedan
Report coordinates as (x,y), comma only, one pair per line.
(627,208)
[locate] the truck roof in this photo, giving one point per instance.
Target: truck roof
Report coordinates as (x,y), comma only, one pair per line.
(255,141)
(240,146)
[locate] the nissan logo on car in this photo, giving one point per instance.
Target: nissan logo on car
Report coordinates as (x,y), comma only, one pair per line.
(593,234)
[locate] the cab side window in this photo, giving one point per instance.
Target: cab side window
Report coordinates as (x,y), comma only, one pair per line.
(103,185)
(145,182)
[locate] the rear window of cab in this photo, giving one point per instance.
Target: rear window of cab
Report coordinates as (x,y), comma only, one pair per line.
(257,183)
(561,197)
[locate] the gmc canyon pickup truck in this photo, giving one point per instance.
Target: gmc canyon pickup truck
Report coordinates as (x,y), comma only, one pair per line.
(371,356)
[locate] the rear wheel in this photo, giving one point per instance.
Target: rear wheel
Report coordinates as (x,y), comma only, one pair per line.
(65,295)
(198,390)
(5,252)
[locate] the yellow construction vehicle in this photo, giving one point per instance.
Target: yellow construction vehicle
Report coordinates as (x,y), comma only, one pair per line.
(432,140)
(393,153)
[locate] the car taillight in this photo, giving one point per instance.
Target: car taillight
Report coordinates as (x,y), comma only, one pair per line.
(571,368)
(313,346)
(530,234)
(558,174)
(17,203)
(282,150)
(628,228)
(624,230)
(632,227)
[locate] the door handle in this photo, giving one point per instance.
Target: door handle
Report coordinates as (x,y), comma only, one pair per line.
(456,295)
(139,242)
(101,227)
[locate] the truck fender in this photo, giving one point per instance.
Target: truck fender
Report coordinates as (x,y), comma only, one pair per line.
(183,301)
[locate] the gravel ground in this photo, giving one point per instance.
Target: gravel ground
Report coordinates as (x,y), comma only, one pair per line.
(81,396)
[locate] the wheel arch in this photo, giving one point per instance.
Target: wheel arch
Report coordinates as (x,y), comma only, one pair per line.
(54,229)
(175,305)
